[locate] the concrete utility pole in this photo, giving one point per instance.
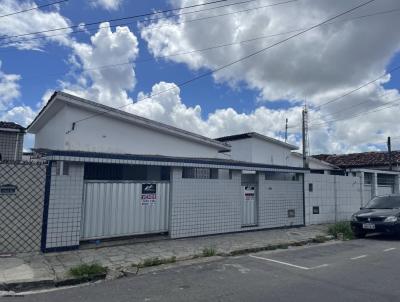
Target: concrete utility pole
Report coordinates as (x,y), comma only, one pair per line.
(305,136)
(389,146)
(286,129)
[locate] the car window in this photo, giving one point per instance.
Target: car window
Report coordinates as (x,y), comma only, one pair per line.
(384,202)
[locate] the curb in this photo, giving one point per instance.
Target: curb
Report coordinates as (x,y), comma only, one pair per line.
(127,272)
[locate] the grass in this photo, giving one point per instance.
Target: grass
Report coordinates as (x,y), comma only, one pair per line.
(341,230)
(157,261)
(320,239)
(87,271)
(209,252)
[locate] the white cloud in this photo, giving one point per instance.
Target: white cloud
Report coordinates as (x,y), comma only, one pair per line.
(32,21)
(169,108)
(317,66)
(9,88)
(22,115)
(108,4)
(106,85)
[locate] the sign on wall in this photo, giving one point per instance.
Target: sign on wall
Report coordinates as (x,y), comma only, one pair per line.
(149,194)
(8,189)
(249,193)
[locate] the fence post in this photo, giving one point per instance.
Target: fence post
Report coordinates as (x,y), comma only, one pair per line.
(361,188)
(374,185)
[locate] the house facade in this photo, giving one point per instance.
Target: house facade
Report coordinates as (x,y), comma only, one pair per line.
(113,174)
(11,141)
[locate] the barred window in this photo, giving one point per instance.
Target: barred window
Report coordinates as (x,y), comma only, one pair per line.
(200,173)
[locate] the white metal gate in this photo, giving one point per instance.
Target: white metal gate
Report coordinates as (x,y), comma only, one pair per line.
(249,205)
(113,209)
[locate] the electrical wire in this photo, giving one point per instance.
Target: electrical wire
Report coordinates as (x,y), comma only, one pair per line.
(84,30)
(240,59)
(33,8)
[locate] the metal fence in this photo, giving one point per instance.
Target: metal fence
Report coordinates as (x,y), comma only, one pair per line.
(22,187)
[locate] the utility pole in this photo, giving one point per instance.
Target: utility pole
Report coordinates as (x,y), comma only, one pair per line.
(286,129)
(305,136)
(389,146)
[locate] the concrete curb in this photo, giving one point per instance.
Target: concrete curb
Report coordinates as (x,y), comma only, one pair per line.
(129,271)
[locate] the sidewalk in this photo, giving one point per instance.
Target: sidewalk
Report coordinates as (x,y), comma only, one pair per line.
(27,271)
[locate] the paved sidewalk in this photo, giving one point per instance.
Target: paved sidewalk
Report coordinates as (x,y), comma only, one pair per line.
(29,270)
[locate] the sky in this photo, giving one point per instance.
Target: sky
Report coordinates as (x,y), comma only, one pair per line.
(138,65)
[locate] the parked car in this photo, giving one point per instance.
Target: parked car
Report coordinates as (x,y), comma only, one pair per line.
(381,215)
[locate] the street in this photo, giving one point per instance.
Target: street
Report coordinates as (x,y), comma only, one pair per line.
(358,270)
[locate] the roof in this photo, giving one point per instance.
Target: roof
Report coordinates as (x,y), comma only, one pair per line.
(59,99)
(257,135)
(85,156)
(365,159)
(11,126)
(316,160)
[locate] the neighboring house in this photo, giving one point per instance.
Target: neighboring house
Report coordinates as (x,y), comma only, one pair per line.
(367,160)
(114,174)
(11,141)
(315,165)
(257,148)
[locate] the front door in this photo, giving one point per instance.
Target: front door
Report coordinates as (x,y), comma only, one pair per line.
(249,205)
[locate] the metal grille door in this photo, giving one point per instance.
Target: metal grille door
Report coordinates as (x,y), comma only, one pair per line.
(113,209)
(249,205)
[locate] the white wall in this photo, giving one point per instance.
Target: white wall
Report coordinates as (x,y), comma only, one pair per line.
(109,135)
(52,134)
(338,197)
(259,151)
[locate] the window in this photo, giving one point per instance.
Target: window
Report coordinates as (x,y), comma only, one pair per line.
(62,168)
(65,167)
(282,176)
(97,171)
(200,173)
(310,187)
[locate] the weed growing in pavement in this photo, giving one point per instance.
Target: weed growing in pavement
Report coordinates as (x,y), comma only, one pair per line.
(341,230)
(209,252)
(87,271)
(156,261)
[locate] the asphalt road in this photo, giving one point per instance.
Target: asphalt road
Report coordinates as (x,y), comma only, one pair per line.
(359,270)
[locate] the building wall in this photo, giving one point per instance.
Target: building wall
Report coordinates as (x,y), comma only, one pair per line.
(269,153)
(276,198)
(21,213)
(11,145)
(64,208)
(111,135)
(52,134)
(338,197)
(204,206)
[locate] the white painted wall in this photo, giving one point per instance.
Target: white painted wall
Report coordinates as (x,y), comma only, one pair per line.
(52,134)
(257,150)
(106,134)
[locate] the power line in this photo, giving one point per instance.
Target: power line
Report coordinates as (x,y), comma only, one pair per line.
(33,8)
(222,45)
(358,88)
(379,108)
(159,18)
(241,59)
(125,18)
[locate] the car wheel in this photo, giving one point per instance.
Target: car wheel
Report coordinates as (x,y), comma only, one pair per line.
(359,234)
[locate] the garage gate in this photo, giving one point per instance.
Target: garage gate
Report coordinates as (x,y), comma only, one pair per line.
(124,208)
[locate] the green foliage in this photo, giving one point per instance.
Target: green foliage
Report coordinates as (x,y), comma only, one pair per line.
(87,271)
(157,261)
(209,252)
(341,230)
(319,239)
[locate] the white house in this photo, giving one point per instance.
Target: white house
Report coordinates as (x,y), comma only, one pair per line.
(114,174)
(68,122)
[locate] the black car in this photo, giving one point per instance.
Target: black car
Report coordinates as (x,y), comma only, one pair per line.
(381,215)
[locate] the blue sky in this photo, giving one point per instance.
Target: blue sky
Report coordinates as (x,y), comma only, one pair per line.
(256,95)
